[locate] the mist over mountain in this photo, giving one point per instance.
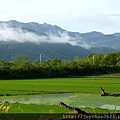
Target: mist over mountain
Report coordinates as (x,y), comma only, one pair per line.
(9,32)
(52,41)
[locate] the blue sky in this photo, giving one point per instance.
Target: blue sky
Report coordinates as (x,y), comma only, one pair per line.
(73,15)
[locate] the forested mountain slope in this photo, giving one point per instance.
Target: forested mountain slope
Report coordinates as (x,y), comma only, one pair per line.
(33,39)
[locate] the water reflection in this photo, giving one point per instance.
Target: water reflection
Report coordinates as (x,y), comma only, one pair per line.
(72,99)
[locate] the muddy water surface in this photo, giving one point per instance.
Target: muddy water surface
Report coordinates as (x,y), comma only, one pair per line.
(72,99)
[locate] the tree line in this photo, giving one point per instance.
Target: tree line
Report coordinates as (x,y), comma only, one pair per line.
(22,68)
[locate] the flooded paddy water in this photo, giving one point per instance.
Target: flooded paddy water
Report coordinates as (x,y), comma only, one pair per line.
(73,99)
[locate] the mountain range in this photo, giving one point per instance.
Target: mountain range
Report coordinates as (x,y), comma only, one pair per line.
(51,41)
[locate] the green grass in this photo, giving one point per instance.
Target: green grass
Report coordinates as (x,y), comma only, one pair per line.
(33,108)
(65,85)
(58,85)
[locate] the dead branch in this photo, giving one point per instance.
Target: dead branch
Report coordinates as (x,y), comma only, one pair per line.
(73,108)
(108,94)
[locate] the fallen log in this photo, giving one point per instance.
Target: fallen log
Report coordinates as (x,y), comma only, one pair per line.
(72,116)
(82,115)
(108,94)
(73,108)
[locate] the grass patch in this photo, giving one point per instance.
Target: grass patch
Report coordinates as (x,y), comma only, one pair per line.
(60,85)
(33,108)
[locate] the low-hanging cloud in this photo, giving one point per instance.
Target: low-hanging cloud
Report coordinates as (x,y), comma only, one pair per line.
(16,34)
(8,34)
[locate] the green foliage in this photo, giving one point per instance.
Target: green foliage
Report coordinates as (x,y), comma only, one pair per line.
(22,68)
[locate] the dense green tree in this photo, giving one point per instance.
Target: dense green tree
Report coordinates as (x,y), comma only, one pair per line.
(22,68)
(109,59)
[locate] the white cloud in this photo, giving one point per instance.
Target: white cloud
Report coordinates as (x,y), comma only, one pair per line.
(64,13)
(9,34)
(16,34)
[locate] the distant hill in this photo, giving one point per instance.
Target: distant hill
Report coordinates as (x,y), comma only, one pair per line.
(102,50)
(62,51)
(51,41)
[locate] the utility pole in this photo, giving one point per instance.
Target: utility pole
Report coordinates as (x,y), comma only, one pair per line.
(93,59)
(40,58)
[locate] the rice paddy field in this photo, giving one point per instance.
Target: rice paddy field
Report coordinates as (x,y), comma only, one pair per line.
(44,95)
